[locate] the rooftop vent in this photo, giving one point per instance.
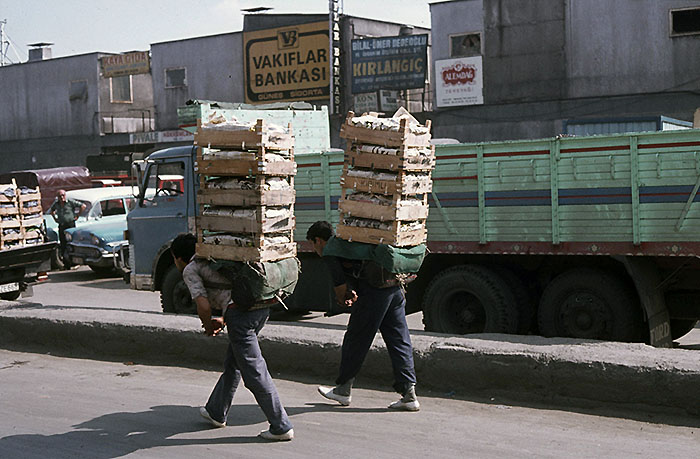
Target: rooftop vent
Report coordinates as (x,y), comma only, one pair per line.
(39,51)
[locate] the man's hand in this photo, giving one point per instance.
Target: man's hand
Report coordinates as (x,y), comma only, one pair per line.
(217,325)
(344,296)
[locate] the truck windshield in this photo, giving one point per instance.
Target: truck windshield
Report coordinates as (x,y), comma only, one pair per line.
(165,179)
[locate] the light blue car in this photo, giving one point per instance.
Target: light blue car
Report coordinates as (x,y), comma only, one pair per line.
(99,228)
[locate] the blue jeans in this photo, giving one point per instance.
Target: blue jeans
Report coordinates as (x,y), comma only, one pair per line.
(244,360)
(383,310)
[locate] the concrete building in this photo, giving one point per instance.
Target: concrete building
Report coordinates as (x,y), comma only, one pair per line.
(548,61)
(56,112)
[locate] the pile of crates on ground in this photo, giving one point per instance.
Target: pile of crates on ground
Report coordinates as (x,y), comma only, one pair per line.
(386,180)
(246,194)
(21,219)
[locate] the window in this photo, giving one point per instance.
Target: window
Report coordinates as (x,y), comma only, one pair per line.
(78,90)
(175,78)
(112,207)
(465,45)
(165,182)
(685,21)
(120,88)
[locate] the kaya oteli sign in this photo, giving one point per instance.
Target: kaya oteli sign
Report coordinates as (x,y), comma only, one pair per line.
(459,82)
(389,63)
(287,63)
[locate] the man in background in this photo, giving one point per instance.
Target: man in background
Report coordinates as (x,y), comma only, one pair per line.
(65,212)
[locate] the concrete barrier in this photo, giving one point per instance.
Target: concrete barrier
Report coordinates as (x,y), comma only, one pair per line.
(517,368)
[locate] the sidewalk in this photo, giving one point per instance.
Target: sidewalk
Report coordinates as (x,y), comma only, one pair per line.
(522,368)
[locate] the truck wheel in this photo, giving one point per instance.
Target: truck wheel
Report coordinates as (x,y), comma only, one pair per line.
(590,304)
(469,299)
(174,294)
(56,260)
(681,327)
(10,296)
(524,299)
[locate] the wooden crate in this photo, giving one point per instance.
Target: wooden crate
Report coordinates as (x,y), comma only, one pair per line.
(246,198)
(255,224)
(16,223)
(31,234)
(30,210)
(259,138)
(9,210)
(244,168)
(394,211)
(402,137)
(393,163)
(371,185)
(36,221)
(393,236)
(272,252)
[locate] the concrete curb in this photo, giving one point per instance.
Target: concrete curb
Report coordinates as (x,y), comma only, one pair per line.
(517,368)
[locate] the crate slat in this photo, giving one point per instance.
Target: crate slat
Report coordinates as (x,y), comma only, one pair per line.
(382,212)
(249,225)
(379,236)
(402,137)
(246,198)
(392,163)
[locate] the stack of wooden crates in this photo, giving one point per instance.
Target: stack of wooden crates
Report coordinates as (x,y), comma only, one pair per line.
(385,183)
(261,217)
(20,216)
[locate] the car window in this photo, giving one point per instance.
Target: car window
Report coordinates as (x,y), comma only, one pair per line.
(88,207)
(113,207)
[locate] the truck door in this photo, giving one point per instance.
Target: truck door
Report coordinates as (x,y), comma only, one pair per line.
(160,215)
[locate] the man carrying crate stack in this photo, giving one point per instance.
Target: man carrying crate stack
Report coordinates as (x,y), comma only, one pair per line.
(211,290)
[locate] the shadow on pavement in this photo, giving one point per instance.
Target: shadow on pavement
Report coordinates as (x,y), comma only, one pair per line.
(119,434)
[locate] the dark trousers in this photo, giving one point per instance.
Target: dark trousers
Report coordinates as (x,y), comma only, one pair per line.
(62,241)
(380,310)
(244,360)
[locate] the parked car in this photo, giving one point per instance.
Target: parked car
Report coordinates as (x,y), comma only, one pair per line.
(102,205)
(97,244)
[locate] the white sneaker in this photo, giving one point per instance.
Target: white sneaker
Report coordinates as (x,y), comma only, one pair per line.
(205,414)
(401,405)
(267,435)
(329,393)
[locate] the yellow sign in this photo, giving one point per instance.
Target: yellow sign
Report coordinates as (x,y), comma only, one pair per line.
(287,63)
(126,64)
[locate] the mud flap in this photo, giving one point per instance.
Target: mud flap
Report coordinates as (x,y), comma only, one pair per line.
(647,279)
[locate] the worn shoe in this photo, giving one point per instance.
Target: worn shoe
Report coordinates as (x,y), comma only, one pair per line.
(205,414)
(267,435)
(408,402)
(329,393)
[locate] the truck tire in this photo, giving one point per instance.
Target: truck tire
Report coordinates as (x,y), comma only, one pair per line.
(524,299)
(469,299)
(590,304)
(10,296)
(174,294)
(681,327)
(56,260)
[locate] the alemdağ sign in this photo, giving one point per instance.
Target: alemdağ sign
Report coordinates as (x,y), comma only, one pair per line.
(287,63)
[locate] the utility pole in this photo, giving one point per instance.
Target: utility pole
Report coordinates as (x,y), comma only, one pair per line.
(4,45)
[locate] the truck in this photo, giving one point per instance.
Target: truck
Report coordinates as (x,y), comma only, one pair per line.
(23,267)
(594,237)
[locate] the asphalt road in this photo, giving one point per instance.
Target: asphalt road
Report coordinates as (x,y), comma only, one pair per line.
(82,288)
(59,407)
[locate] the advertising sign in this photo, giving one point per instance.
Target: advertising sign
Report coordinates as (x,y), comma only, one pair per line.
(389,63)
(365,103)
(160,137)
(287,63)
(459,82)
(125,64)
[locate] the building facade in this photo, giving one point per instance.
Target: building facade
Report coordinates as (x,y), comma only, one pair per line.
(56,112)
(548,61)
